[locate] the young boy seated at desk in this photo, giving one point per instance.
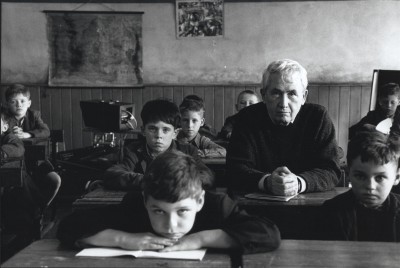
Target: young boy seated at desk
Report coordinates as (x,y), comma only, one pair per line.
(160,121)
(206,129)
(244,99)
(388,100)
(192,112)
(24,122)
(369,211)
(22,205)
(173,212)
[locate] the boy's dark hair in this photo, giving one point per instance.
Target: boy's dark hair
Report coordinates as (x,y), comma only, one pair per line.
(374,146)
(192,103)
(17,89)
(247,91)
(161,110)
(174,176)
(389,89)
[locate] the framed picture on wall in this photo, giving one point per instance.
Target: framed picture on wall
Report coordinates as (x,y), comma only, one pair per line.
(95,49)
(199,18)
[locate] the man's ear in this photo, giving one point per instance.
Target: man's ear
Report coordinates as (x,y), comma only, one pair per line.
(200,201)
(305,94)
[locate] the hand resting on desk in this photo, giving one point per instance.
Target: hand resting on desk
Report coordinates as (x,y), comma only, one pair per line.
(281,182)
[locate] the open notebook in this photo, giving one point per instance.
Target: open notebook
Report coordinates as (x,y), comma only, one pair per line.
(114,252)
(264,196)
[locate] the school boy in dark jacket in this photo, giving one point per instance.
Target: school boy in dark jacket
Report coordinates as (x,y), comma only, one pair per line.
(172,213)
(160,121)
(369,211)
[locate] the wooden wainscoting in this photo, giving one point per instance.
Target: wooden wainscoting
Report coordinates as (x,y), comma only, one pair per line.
(346,104)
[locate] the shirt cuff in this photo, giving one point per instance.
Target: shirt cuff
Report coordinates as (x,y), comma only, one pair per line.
(261,182)
(303,184)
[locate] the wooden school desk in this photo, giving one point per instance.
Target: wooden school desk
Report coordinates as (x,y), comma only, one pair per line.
(312,253)
(297,218)
(49,253)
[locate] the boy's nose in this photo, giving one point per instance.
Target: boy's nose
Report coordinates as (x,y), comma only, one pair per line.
(172,223)
(371,184)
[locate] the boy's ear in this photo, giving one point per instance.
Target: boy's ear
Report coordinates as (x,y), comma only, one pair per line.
(200,201)
(203,120)
(29,103)
(176,132)
(397,180)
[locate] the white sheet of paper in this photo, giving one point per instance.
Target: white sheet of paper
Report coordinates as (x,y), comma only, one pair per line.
(114,252)
(385,125)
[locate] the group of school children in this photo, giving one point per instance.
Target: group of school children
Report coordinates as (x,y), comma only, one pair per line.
(170,202)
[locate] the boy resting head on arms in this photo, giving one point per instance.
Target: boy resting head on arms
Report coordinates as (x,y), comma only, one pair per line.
(369,211)
(388,100)
(24,122)
(173,212)
(192,112)
(160,121)
(244,99)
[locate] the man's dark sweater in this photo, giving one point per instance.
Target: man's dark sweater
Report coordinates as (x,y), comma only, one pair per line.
(307,147)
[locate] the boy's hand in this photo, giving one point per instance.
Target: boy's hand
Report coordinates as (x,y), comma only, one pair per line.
(189,242)
(146,241)
(17,131)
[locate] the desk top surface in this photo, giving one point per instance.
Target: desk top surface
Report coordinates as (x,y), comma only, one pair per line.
(292,253)
(307,199)
(311,253)
(49,253)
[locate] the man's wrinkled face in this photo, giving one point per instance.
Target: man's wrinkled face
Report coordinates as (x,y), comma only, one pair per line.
(284,98)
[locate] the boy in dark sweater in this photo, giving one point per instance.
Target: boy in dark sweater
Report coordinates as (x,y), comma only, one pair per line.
(388,100)
(160,121)
(172,213)
(369,211)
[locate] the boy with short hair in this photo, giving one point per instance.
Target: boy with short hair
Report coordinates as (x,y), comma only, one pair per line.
(388,100)
(244,99)
(369,211)
(173,212)
(192,112)
(160,121)
(24,122)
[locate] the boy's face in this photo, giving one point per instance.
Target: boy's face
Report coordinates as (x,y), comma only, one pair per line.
(389,104)
(173,220)
(245,100)
(18,104)
(191,122)
(159,136)
(372,183)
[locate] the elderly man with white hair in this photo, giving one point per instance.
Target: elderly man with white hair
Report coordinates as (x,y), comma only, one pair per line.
(283,146)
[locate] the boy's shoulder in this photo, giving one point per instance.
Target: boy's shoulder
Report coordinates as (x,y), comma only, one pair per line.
(343,200)
(183,147)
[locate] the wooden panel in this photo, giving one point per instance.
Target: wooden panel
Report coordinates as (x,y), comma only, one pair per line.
(76,120)
(229,102)
(313,94)
(209,103)
(87,137)
(60,108)
(66,117)
(355,104)
(219,107)
(333,107)
(45,107)
(344,116)
(35,98)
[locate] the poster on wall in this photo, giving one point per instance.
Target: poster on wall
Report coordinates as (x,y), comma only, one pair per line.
(95,49)
(199,18)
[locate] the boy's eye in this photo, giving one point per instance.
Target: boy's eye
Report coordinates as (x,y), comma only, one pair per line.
(166,130)
(379,178)
(158,212)
(182,211)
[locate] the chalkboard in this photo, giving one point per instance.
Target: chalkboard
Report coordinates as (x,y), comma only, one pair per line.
(95,48)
